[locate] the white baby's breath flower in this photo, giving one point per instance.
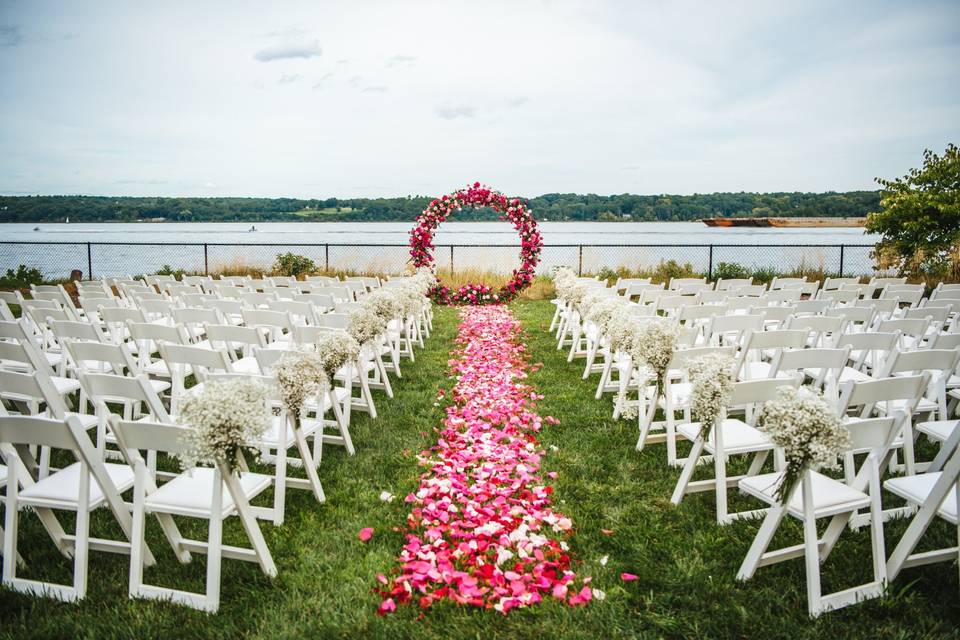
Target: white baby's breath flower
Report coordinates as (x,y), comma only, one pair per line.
(299,375)
(655,345)
(226,417)
(711,376)
(365,325)
(808,429)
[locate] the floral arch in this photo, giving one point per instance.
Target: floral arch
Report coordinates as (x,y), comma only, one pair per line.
(513,210)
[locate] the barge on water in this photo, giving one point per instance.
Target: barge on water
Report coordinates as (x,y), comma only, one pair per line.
(784,222)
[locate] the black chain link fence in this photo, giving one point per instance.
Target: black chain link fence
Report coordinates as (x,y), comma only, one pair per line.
(104,259)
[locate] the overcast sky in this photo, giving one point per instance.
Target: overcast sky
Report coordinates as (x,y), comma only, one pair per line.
(366,98)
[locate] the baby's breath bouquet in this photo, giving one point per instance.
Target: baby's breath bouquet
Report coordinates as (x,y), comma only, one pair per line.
(622,329)
(808,429)
(563,279)
(299,374)
(336,349)
(655,345)
(384,303)
(410,298)
(601,312)
(225,418)
(365,325)
(711,376)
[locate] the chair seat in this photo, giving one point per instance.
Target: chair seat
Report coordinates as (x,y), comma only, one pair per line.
(350,369)
(756,370)
(61,490)
(87,421)
(65,386)
(738,437)
(830,496)
(246,364)
(938,430)
(679,395)
(158,368)
(271,437)
(191,493)
(847,374)
(339,393)
(924,406)
(915,489)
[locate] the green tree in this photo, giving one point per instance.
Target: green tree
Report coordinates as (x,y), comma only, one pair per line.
(919,218)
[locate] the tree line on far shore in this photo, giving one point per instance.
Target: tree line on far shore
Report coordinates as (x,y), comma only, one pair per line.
(551,206)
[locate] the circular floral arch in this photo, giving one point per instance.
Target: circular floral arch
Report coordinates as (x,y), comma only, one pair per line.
(515,211)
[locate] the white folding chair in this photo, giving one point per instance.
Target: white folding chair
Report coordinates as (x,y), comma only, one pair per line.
(816,497)
(80,487)
(729,437)
(935,494)
(761,346)
(676,397)
(212,494)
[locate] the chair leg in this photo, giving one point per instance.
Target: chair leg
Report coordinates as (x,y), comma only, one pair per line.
(309,466)
(720,466)
(687,474)
(812,562)
(214,549)
(771,522)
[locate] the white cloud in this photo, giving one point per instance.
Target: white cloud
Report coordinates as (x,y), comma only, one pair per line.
(751,95)
(289,50)
(452,112)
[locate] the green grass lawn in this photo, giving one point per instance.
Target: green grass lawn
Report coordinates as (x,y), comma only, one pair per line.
(686,563)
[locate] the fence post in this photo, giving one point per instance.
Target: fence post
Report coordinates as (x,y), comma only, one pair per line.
(89,262)
(580,261)
(326,258)
(710,264)
(206,260)
(451,261)
(841,260)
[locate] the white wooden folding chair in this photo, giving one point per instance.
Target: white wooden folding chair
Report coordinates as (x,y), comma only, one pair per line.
(101,357)
(675,397)
(80,487)
(183,361)
(759,347)
(726,330)
(885,396)
(239,344)
(823,366)
(729,437)
(816,497)
(212,494)
(38,395)
(823,330)
(935,494)
(337,400)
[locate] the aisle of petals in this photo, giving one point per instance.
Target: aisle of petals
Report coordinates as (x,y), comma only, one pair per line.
(482,531)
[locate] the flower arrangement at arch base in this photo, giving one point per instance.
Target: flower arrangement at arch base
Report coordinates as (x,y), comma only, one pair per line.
(514,211)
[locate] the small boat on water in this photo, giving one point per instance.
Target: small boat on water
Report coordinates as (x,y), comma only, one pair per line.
(785,222)
(36,228)
(251,229)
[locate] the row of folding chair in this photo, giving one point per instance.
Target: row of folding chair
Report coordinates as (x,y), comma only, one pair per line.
(892,376)
(110,394)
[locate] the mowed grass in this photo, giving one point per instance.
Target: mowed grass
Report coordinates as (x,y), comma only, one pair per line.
(686,564)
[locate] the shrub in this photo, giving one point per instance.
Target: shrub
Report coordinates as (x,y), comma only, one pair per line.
(730,271)
(609,275)
(293,265)
(167,270)
(22,278)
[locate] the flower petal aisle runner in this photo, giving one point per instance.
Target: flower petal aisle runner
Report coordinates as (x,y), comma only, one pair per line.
(482,531)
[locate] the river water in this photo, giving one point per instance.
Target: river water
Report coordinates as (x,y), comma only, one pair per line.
(122,258)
